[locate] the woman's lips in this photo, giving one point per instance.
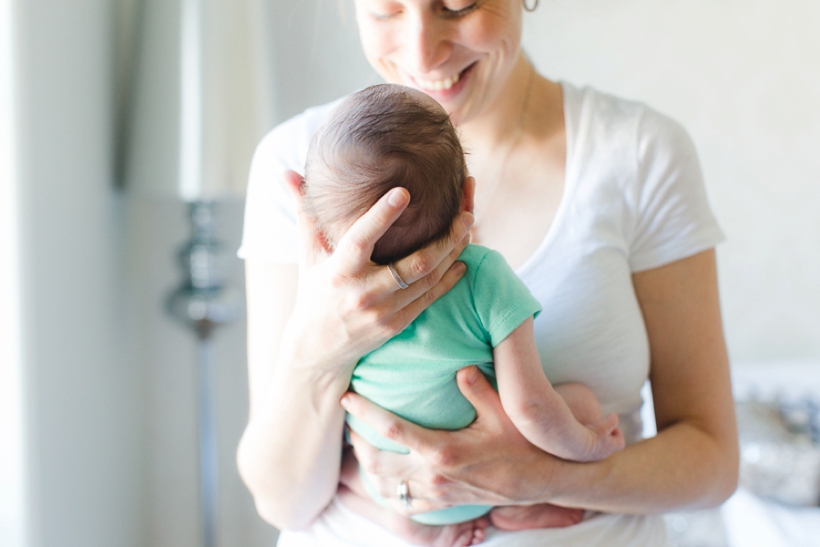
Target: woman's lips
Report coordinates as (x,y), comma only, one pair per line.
(438,85)
(445,89)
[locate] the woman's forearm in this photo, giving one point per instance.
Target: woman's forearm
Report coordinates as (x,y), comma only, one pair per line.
(683,467)
(290,453)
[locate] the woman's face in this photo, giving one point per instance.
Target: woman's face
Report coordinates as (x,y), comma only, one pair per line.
(460,52)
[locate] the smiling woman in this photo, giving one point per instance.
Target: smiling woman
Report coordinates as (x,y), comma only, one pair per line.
(460,52)
(598,204)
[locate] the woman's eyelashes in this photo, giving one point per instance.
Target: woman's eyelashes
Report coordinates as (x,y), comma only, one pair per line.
(383,11)
(454,12)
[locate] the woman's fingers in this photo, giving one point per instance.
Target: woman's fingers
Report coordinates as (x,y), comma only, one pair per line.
(386,470)
(476,389)
(424,261)
(429,289)
(387,424)
(398,467)
(356,246)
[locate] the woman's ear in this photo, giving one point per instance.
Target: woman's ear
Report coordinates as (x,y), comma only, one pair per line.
(468,194)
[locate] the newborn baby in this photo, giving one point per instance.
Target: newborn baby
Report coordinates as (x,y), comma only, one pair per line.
(389,136)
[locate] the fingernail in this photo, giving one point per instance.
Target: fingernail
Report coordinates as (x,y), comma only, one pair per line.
(459,268)
(345,401)
(396,198)
(467,219)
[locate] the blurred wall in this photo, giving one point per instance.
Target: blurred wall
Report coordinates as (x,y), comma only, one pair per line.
(12,447)
(82,386)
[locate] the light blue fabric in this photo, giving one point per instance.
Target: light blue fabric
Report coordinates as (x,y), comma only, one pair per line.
(413,374)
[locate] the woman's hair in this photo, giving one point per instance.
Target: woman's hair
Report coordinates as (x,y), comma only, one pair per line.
(381,138)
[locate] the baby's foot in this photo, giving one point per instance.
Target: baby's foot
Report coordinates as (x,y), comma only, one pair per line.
(526,517)
(608,438)
(451,535)
(462,534)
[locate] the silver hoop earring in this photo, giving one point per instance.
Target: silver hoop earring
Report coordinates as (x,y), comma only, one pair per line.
(531,9)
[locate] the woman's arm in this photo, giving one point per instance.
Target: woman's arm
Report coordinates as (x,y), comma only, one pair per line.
(307,327)
(691,463)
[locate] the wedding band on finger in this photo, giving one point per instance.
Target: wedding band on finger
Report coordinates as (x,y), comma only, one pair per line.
(396,277)
(404,495)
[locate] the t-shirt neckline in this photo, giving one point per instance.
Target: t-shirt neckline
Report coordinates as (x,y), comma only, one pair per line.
(568,94)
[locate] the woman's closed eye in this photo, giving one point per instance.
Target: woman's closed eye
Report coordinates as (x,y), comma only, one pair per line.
(382,11)
(454,11)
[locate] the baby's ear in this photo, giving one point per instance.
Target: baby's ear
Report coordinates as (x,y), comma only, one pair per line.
(468,194)
(295,182)
(325,242)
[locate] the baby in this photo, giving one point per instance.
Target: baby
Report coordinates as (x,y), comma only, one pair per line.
(389,136)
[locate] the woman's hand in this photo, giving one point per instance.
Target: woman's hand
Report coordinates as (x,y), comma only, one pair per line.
(346,305)
(481,464)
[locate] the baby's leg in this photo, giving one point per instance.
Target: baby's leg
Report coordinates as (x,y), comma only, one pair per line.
(354,496)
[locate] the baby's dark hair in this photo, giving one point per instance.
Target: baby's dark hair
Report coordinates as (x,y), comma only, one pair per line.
(379,138)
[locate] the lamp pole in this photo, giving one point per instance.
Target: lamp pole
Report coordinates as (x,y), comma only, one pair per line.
(203,301)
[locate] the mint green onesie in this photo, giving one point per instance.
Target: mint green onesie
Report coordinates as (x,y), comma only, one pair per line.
(413,374)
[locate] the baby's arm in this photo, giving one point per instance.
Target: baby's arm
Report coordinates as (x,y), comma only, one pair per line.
(540,413)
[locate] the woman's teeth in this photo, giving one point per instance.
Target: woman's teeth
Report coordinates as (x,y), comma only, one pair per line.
(438,85)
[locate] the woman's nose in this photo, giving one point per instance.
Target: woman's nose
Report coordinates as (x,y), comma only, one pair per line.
(426,45)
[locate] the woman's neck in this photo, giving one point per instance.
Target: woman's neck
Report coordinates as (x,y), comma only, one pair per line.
(504,118)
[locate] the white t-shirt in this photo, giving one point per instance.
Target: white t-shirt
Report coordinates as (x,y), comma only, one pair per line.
(633,200)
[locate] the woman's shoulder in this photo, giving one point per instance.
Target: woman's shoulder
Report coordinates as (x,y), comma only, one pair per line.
(294,134)
(608,118)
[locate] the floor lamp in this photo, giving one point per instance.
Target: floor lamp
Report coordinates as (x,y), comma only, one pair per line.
(201,102)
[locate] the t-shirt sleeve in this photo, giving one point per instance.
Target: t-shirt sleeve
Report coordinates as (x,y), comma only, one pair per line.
(501,299)
(270,232)
(673,219)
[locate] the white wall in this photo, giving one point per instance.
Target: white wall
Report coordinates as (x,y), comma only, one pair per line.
(12,447)
(742,76)
(317,53)
(82,386)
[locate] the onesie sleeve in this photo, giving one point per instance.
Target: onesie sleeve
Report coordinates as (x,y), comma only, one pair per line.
(672,219)
(501,299)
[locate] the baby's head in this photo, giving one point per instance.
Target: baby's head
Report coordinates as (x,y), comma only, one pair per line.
(383,137)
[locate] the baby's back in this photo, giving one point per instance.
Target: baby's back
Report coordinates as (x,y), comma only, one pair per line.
(414,373)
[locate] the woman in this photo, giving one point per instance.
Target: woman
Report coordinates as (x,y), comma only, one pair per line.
(598,205)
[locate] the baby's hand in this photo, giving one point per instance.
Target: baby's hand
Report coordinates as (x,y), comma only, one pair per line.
(608,438)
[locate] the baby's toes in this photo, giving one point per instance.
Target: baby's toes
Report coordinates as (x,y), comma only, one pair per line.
(478,536)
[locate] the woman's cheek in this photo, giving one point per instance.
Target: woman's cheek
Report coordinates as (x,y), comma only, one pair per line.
(377,43)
